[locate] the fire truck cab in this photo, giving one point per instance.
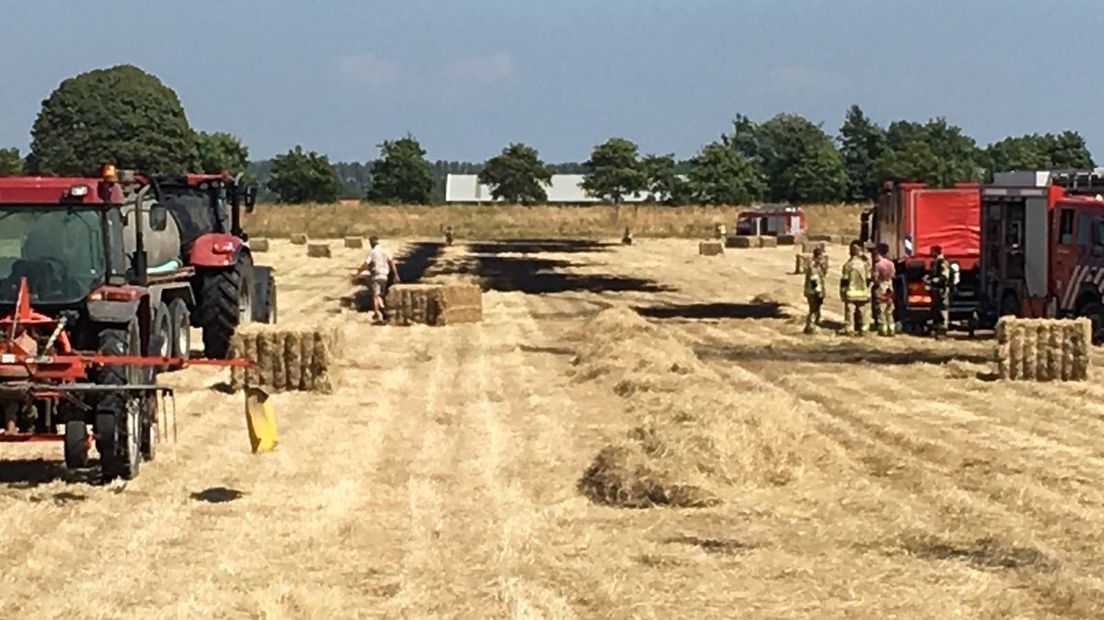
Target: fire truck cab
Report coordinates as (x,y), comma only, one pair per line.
(1043,246)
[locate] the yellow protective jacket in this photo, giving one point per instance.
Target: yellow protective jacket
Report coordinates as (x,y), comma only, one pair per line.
(855,280)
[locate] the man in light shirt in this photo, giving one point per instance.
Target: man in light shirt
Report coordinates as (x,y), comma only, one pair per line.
(882,289)
(382,268)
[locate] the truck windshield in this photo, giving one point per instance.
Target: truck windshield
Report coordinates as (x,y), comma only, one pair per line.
(58,249)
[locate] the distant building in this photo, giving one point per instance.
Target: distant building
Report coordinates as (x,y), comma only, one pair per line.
(564,189)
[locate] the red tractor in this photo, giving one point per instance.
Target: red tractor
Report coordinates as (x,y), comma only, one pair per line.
(204,233)
(1042,242)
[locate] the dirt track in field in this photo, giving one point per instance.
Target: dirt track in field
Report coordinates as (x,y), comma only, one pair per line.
(440,480)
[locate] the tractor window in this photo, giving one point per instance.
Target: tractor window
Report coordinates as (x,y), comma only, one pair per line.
(59,250)
(1065,227)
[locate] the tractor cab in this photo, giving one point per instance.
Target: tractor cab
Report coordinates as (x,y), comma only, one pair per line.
(204,203)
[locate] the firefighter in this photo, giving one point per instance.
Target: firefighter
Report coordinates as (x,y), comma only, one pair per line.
(815,277)
(855,289)
(882,289)
(939,285)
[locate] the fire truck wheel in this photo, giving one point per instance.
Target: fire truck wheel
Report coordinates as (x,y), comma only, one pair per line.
(225,302)
(76,446)
(181,329)
(1094,311)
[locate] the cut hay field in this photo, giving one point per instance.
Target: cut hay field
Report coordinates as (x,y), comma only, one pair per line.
(512,221)
(631,432)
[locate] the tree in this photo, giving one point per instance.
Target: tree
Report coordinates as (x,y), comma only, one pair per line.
(798,160)
(663,181)
(936,152)
(861,144)
(402,174)
(614,171)
(1068,150)
(121,115)
(298,176)
(517,175)
(11,163)
(1039,152)
(720,175)
(220,151)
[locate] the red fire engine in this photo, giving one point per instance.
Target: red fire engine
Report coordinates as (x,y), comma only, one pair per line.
(1042,243)
(912,217)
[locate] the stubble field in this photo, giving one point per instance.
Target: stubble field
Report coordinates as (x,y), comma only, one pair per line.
(486,470)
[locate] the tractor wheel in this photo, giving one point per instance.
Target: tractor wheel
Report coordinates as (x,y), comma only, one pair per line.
(76,444)
(161,336)
(118,414)
(225,303)
(181,329)
(1094,311)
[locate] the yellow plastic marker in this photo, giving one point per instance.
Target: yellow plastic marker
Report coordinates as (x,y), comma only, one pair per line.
(260,419)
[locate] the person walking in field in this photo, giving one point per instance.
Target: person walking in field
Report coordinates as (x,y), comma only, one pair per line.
(855,290)
(939,285)
(384,274)
(815,277)
(882,289)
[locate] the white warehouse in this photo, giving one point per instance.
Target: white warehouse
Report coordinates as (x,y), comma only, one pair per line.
(563,189)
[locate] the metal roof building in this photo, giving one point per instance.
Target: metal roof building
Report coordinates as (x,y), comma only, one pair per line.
(563,189)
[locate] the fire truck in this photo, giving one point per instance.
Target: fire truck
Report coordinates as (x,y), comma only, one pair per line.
(912,217)
(1042,242)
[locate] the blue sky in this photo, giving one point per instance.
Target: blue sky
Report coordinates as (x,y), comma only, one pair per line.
(467,77)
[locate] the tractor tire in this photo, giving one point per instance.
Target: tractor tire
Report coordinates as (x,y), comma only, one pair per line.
(76,444)
(225,303)
(180,320)
(1094,311)
(161,335)
(118,414)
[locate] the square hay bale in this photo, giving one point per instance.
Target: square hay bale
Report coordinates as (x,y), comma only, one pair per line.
(1043,349)
(299,239)
(460,302)
(318,250)
(354,242)
(710,248)
(768,241)
(788,239)
(258,244)
(287,359)
(434,304)
(820,237)
(743,241)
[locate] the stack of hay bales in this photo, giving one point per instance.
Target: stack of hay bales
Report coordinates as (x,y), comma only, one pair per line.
(1043,349)
(744,241)
(299,239)
(288,359)
(354,242)
(710,248)
(318,250)
(259,244)
(450,303)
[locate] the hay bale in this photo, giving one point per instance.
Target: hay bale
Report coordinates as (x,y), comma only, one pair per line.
(318,250)
(621,476)
(1043,349)
(743,241)
(450,303)
(288,359)
(710,248)
(459,302)
(768,241)
(293,360)
(321,367)
(354,242)
(306,362)
(819,237)
(787,239)
(299,239)
(259,244)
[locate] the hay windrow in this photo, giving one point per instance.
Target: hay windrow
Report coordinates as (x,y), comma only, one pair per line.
(700,437)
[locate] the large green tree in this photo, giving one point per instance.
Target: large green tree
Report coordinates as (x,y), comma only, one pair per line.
(1039,152)
(614,171)
(517,175)
(720,175)
(861,144)
(935,152)
(663,180)
(402,175)
(121,115)
(220,151)
(798,160)
(299,176)
(10,162)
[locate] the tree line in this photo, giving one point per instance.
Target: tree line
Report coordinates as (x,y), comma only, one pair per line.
(786,158)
